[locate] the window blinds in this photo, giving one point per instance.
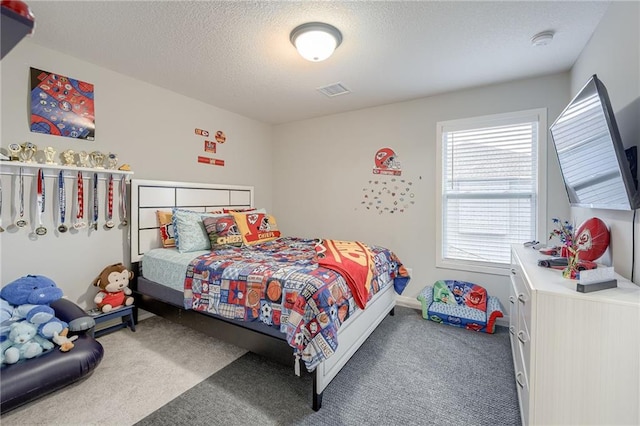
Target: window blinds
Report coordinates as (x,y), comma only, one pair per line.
(489,191)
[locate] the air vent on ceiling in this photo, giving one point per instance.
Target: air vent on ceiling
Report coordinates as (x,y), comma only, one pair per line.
(334,90)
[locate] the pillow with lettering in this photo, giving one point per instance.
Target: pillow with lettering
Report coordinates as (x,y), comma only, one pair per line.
(223,231)
(256,227)
(167,233)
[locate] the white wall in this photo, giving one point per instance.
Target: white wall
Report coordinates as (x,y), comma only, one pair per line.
(613,53)
(150,128)
(321,166)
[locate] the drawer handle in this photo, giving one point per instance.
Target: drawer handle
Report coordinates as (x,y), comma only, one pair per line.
(512,330)
(522,298)
(522,336)
(519,377)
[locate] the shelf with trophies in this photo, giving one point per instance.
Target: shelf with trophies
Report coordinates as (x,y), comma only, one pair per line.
(30,159)
(82,169)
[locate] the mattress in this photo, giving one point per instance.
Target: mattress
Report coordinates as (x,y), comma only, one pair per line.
(167,266)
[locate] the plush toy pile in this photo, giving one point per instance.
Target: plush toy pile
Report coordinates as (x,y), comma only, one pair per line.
(114,292)
(27,323)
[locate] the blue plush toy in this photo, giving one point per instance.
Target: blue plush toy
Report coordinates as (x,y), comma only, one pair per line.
(23,343)
(28,298)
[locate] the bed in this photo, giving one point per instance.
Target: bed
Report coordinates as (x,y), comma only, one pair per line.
(270,297)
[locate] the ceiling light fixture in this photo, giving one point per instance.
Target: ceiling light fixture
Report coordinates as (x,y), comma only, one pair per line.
(543,38)
(315,41)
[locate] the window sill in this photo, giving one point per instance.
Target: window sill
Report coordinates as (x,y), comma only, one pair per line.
(468,266)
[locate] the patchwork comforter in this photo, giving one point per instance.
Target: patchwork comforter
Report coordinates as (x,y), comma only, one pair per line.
(280,284)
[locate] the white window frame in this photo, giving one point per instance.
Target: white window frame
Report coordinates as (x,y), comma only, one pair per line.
(538,115)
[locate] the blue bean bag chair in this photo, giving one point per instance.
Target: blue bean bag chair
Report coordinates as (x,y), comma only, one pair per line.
(461,304)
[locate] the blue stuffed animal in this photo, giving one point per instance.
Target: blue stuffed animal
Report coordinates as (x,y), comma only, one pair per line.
(23,343)
(28,298)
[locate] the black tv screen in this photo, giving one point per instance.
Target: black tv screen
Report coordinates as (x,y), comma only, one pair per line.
(592,158)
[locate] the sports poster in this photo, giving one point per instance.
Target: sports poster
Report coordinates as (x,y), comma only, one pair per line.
(61,106)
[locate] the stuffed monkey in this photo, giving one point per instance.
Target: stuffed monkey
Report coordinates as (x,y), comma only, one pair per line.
(114,292)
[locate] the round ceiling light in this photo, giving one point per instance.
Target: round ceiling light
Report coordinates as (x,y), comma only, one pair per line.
(315,41)
(543,38)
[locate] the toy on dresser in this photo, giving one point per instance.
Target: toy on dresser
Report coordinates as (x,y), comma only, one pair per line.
(114,292)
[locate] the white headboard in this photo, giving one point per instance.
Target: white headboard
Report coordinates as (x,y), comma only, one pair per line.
(149,196)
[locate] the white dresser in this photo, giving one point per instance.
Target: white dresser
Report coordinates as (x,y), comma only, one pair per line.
(576,355)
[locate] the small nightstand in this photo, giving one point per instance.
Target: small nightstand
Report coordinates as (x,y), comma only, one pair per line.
(125,313)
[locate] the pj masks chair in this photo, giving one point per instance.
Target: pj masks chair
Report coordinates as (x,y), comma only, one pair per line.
(461,304)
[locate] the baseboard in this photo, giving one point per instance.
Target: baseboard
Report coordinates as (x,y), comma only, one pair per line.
(143,315)
(408,302)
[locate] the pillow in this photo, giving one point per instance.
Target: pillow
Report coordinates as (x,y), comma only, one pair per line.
(167,232)
(190,234)
(256,227)
(223,231)
(250,209)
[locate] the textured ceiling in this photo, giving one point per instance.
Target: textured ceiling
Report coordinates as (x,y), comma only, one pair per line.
(237,55)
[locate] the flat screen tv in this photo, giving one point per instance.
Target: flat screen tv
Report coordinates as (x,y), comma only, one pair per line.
(592,158)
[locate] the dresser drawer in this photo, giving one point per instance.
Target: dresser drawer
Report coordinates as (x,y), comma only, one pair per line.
(513,308)
(524,342)
(522,382)
(522,294)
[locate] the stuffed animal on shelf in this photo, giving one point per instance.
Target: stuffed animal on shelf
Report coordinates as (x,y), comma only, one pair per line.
(28,298)
(23,343)
(65,343)
(114,292)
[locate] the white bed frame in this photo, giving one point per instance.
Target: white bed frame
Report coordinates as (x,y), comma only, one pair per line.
(148,196)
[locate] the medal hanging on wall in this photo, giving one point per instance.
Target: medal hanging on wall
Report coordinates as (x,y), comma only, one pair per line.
(21,223)
(123,201)
(62,202)
(41,230)
(94,224)
(109,224)
(1,228)
(79,207)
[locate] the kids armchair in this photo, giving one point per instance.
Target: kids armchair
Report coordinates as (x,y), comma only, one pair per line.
(33,378)
(460,304)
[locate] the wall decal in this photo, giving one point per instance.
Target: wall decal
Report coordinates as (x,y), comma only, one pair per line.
(210,146)
(211,161)
(202,132)
(387,163)
(61,106)
(220,137)
(388,195)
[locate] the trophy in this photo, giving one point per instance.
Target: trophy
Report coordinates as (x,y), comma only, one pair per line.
(67,157)
(112,161)
(97,159)
(83,159)
(14,152)
(27,152)
(49,154)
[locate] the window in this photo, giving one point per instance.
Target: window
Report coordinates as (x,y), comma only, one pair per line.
(492,180)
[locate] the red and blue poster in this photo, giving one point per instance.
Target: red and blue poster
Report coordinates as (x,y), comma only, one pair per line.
(61,106)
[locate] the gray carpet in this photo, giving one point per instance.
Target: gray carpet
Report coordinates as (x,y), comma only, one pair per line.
(410,371)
